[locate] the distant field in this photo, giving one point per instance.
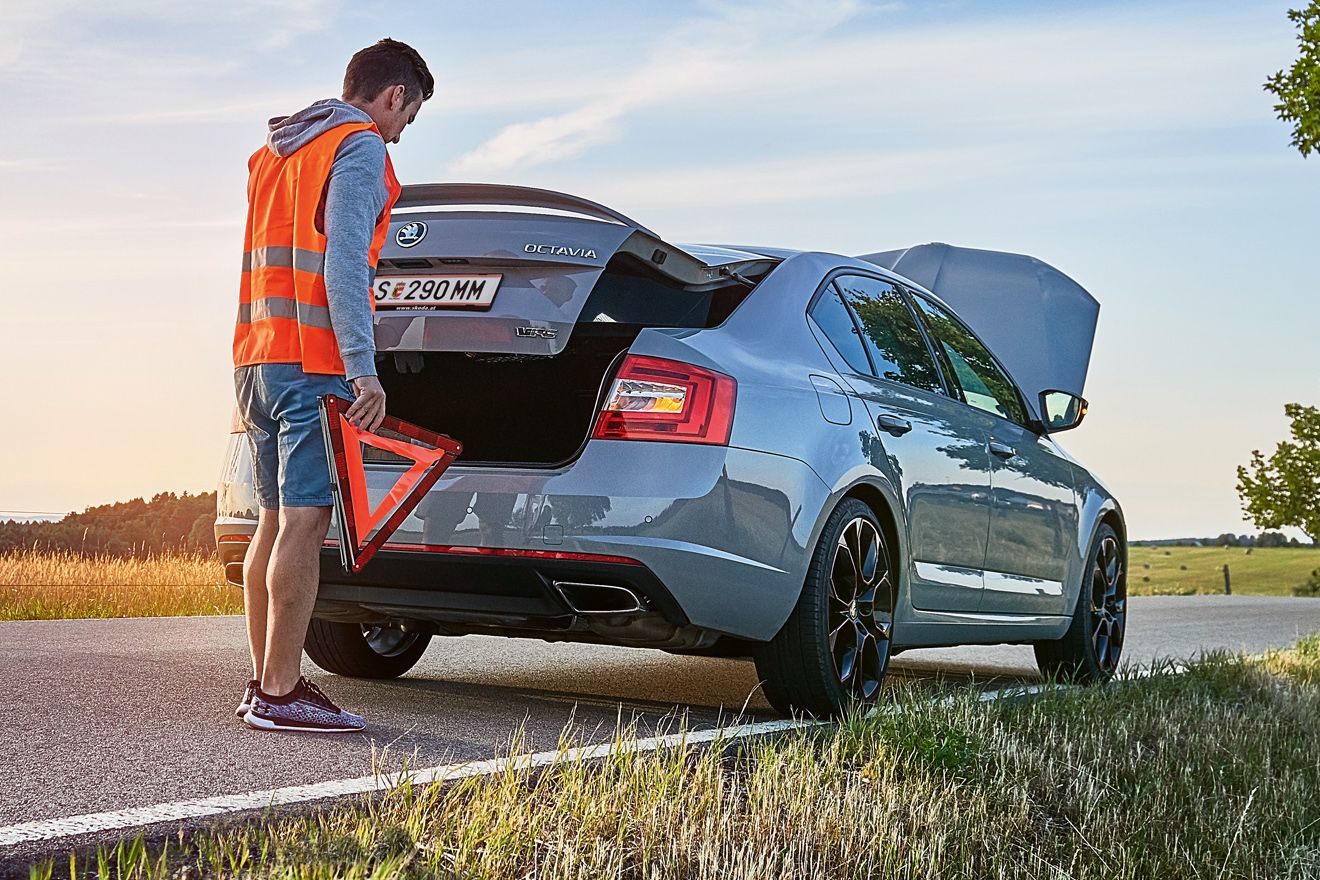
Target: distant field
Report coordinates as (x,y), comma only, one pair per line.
(42,586)
(1269,571)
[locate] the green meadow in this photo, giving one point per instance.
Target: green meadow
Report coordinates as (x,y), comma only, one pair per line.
(1182,571)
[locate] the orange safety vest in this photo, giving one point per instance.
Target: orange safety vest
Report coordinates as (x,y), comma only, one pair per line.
(283,314)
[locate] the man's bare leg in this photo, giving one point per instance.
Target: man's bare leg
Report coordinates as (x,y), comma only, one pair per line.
(292,580)
(255,563)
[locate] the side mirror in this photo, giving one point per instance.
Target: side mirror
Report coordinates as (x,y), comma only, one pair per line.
(1061,411)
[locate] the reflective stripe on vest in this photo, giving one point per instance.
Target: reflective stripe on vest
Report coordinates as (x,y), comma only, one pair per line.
(283,314)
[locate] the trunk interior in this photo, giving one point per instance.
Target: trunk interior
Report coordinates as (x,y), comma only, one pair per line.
(538,410)
(507,409)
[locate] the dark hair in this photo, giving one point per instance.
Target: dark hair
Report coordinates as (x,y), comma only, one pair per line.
(388,63)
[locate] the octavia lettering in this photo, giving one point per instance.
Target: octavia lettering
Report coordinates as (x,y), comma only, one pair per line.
(558,250)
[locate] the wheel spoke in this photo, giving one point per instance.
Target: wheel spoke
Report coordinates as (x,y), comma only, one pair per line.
(870,555)
(853,535)
(844,651)
(870,669)
(843,577)
(1097,591)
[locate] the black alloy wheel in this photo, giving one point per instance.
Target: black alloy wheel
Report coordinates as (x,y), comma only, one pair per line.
(861,608)
(834,648)
(1108,605)
(1090,651)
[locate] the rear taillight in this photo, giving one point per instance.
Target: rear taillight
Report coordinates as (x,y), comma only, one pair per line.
(236,423)
(659,399)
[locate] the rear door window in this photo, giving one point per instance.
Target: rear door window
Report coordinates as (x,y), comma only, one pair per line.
(832,317)
(983,382)
(890,333)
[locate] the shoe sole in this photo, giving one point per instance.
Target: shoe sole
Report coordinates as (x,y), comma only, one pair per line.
(258,723)
(242,710)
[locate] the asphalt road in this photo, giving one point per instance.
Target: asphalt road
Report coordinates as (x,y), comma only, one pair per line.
(108,714)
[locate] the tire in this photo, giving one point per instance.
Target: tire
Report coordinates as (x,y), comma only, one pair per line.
(834,648)
(1090,650)
(360,650)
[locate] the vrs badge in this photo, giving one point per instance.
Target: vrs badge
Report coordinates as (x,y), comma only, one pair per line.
(410,234)
(537,332)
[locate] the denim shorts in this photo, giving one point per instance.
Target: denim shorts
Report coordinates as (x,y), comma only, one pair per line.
(277,405)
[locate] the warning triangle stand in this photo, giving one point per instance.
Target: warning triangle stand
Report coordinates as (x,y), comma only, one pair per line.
(357,520)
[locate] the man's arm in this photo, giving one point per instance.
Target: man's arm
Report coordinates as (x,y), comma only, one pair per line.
(355,196)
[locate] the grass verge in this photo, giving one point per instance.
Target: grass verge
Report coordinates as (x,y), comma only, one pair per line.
(1174,571)
(39,585)
(1214,773)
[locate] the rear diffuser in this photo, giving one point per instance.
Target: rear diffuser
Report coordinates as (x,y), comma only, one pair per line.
(431,454)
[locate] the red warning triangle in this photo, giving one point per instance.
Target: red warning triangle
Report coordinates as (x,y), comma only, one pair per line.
(357,543)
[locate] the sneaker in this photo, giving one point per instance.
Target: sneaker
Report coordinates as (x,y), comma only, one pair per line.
(246,703)
(305,708)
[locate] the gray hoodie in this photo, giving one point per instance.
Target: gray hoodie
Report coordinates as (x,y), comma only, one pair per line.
(354,199)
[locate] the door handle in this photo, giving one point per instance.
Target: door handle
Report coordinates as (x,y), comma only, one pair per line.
(894,425)
(1003,450)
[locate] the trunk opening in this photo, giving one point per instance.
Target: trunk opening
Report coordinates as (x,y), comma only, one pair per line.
(538,410)
(506,409)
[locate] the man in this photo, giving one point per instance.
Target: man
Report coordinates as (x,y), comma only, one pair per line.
(319,198)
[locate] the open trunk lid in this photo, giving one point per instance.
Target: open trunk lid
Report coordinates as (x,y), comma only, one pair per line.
(546,265)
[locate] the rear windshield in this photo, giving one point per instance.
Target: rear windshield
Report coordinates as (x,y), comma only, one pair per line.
(627,293)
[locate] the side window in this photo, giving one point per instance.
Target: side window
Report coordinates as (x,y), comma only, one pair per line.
(834,321)
(983,383)
(891,333)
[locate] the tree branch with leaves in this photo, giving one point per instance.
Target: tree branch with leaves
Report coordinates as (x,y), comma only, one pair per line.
(1298,88)
(1284,489)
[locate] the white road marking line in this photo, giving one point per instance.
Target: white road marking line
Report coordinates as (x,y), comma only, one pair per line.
(51,829)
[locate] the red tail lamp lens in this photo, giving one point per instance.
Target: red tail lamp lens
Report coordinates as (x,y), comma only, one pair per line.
(659,399)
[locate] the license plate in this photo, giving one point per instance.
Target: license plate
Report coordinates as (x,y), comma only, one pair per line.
(435,291)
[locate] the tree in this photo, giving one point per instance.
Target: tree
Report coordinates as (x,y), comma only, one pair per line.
(1298,89)
(1284,490)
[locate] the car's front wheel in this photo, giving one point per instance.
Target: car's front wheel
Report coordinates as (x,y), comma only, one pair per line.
(364,650)
(834,648)
(1091,648)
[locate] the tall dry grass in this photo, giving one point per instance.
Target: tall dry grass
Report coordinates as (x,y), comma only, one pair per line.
(43,585)
(1215,773)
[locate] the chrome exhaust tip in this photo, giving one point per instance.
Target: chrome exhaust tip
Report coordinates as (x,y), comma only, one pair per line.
(599,598)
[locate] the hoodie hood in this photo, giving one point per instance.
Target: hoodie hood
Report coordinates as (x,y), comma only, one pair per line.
(289,133)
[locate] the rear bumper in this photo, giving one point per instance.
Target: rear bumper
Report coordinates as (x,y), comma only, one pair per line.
(720,533)
(506,596)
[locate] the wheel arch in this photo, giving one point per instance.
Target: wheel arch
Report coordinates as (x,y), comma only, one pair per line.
(876,493)
(873,497)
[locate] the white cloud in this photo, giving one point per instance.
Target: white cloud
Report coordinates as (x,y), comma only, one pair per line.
(1069,74)
(684,60)
(36,31)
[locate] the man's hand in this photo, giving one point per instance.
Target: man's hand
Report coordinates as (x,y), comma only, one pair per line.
(369,408)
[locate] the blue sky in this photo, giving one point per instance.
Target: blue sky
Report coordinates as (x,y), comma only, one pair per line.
(1128,144)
